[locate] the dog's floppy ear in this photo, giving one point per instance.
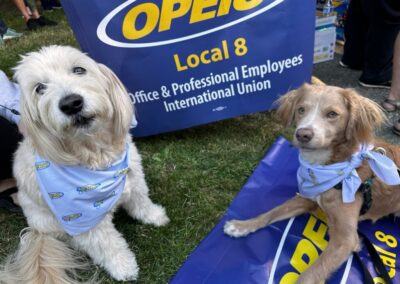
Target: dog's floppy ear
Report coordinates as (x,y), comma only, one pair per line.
(365,116)
(123,108)
(43,140)
(288,104)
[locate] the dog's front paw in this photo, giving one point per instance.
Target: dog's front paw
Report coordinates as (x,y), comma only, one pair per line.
(156,216)
(236,228)
(124,268)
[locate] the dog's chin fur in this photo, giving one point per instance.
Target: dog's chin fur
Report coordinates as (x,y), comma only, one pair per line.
(92,146)
(339,151)
(94,137)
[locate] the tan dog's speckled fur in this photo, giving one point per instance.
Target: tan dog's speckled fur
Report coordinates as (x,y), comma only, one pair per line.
(335,122)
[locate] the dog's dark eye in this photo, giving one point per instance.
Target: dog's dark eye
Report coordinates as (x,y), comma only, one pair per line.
(79,70)
(40,88)
(332,114)
(301,110)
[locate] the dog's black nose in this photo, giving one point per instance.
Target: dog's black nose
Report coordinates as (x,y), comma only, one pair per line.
(304,135)
(71,104)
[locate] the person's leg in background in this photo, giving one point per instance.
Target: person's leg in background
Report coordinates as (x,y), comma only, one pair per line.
(392,102)
(395,89)
(391,8)
(30,22)
(35,20)
(3,30)
(20,4)
(55,4)
(379,46)
(7,148)
(7,33)
(46,6)
(41,20)
(49,5)
(355,30)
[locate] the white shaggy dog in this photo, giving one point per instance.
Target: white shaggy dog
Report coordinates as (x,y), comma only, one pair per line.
(75,113)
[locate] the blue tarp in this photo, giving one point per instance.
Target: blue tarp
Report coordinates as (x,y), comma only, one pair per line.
(268,255)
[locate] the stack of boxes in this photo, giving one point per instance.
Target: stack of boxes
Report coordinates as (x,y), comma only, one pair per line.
(325,37)
(328,28)
(340,8)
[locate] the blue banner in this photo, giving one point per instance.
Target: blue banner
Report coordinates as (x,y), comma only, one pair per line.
(283,250)
(190,62)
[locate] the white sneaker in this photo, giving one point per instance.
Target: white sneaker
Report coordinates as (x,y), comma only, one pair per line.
(343,65)
(10,33)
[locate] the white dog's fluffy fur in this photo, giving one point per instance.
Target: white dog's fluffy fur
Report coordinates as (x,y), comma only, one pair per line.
(94,138)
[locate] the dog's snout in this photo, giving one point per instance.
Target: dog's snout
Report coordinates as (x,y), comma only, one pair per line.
(304,135)
(71,104)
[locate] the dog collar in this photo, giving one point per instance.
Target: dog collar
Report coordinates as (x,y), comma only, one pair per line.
(80,197)
(315,179)
(366,191)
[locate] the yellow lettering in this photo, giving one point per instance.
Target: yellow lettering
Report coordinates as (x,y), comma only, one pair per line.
(392,272)
(316,235)
(198,14)
(168,13)
(304,255)
(390,262)
(129,24)
(388,239)
(193,60)
(224,7)
(203,58)
(240,46)
(379,280)
(179,67)
(225,49)
(381,250)
(289,278)
(242,5)
(200,10)
(216,54)
(320,215)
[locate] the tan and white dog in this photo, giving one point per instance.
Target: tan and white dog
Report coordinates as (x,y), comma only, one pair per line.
(331,124)
(74,112)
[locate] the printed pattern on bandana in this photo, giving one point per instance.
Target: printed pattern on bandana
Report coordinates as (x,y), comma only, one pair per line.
(80,197)
(315,179)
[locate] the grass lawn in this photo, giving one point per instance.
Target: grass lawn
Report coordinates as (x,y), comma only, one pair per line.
(194,173)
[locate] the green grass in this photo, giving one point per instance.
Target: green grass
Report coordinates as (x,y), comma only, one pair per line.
(32,40)
(194,173)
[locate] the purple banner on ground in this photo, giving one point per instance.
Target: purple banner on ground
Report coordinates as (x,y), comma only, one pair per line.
(190,62)
(281,251)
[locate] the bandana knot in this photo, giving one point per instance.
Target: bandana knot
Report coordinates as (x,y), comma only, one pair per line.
(315,179)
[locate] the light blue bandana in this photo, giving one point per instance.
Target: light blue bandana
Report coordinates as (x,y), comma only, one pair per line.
(315,179)
(80,197)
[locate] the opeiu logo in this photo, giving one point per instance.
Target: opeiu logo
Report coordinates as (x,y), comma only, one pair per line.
(159,19)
